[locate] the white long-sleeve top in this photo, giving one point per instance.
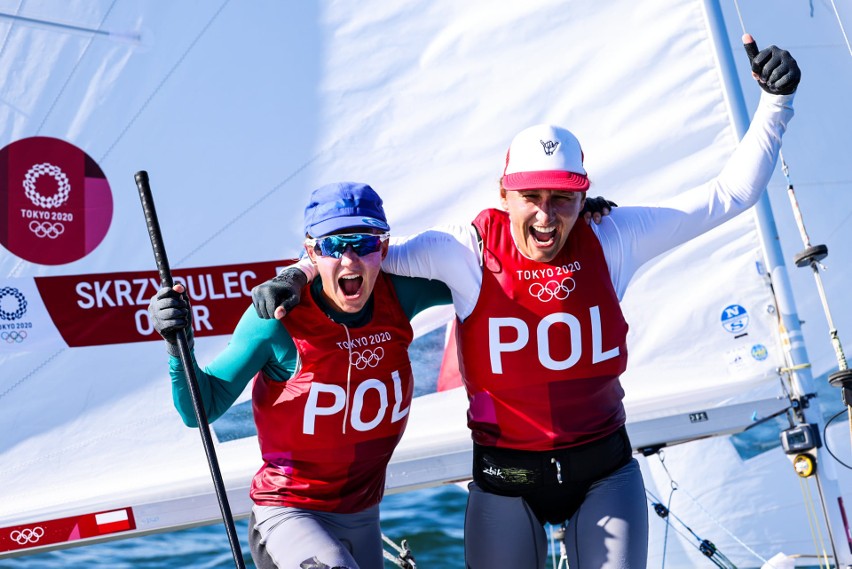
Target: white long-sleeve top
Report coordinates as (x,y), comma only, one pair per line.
(630,236)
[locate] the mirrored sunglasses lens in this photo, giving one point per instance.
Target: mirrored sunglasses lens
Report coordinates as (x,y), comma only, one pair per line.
(362,244)
(330,247)
(367,245)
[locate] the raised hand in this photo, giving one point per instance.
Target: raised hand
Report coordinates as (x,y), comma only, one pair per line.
(776,71)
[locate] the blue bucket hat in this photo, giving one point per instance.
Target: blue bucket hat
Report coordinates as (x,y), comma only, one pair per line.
(343,205)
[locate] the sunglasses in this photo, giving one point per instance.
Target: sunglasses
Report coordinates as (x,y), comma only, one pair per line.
(335,245)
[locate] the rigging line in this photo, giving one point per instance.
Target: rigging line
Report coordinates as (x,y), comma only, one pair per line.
(662,457)
(814,263)
(557,535)
(165,79)
(783,379)
(403,558)
(825,436)
(704,546)
(696,546)
(842,29)
(668,524)
(157,88)
(724,529)
(74,70)
(740,15)
(689,539)
(672,514)
(551,533)
(66,27)
(797,214)
(813,521)
(38,130)
(31,373)
(716,521)
(771,417)
(677,530)
(839,227)
(814,183)
(257,202)
(11,27)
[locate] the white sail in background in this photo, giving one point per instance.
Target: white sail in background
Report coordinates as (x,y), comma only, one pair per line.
(238,110)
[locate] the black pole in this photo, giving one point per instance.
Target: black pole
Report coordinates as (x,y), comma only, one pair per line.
(183,348)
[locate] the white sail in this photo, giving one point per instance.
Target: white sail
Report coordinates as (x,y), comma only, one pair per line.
(238,110)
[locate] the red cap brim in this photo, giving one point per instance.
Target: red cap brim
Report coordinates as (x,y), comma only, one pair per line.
(546,180)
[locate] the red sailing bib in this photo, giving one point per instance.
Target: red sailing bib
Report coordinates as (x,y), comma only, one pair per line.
(542,351)
(327,433)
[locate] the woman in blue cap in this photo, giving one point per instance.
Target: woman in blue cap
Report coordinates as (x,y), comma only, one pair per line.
(329,406)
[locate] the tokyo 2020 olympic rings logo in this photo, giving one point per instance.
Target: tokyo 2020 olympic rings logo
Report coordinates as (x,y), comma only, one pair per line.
(22,303)
(367,358)
(57,199)
(46,229)
(13,337)
(559,290)
(27,535)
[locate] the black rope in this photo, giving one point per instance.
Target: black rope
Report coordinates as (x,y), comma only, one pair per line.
(825,439)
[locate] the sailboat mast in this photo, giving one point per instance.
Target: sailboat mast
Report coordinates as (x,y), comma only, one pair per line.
(801,377)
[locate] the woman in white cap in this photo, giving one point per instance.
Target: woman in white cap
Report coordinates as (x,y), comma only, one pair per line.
(329,406)
(541,335)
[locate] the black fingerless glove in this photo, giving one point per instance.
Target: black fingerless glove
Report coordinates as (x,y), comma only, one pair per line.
(777,71)
(597,205)
(285,290)
(170,312)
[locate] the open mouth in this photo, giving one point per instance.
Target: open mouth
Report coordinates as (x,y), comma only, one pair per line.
(350,285)
(543,236)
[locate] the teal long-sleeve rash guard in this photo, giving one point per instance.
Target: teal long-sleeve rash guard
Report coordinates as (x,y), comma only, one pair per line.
(259,344)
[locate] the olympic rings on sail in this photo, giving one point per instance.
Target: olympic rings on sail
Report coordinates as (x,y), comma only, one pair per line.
(553,289)
(27,535)
(366,358)
(46,229)
(22,303)
(13,337)
(57,199)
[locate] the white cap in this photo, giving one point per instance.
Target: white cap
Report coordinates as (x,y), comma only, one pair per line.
(545,157)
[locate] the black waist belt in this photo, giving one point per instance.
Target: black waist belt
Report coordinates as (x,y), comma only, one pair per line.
(553,483)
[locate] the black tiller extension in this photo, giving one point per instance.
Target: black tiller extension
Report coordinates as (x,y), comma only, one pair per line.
(183,348)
